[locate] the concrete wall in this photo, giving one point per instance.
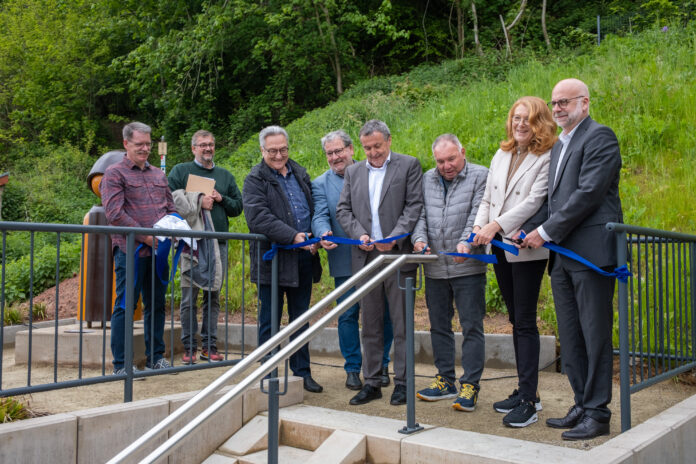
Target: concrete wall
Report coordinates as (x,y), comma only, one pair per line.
(96,435)
(499,348)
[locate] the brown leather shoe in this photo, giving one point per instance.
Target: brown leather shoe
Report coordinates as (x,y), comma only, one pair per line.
(570,420)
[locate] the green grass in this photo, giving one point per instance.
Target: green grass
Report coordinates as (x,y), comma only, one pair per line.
(641,86)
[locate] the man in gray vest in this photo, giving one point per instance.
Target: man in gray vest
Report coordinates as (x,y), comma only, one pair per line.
(452,192)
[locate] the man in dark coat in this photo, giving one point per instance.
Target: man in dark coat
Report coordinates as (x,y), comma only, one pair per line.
(277,197)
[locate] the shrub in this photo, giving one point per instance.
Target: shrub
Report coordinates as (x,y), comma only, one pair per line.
(12,410)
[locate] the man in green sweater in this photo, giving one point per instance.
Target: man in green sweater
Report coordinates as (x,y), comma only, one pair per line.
(225,201)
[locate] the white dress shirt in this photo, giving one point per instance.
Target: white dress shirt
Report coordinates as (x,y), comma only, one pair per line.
(375,178)
(565,140)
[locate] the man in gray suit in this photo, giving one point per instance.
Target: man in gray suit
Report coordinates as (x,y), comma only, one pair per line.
(326,189)
(382,197)
(583,196)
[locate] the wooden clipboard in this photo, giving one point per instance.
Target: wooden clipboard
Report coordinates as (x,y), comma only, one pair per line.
(200,184)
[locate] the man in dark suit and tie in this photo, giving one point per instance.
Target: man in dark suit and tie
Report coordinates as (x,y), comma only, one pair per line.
(583,196)
(382,197)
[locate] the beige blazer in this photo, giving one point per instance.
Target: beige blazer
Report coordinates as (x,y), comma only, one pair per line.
(510,207)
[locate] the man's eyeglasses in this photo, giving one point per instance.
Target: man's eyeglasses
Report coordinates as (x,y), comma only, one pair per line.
(276,151)
(563,102)
(205,146)
(336,152)
(141,145)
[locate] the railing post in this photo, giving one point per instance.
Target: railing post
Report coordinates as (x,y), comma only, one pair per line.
(273,419)
(625,387)
(692,300)
(411,424)
(128,323)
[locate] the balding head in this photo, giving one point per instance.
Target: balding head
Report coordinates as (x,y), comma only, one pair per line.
(570,103)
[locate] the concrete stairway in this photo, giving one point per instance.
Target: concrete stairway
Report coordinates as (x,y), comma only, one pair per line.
(300,443)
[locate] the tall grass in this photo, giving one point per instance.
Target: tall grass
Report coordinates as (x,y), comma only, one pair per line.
(642,86)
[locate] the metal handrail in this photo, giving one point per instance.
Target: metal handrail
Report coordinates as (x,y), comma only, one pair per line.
(275,360)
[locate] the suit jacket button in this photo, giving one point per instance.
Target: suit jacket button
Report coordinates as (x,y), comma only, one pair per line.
(494,205)
(517,193)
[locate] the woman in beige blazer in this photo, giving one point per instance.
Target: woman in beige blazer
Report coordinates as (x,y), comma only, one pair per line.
(516,188)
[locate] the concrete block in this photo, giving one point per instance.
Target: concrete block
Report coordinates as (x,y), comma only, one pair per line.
(302,435)
(10,332)
(383,439)
(104,432)
(220,459)
(251,438)
(447,445)
(606,454)
(286,455)
(212,433)
(35,440)
(69,345)
(341,448)
(499,348)
(255,401)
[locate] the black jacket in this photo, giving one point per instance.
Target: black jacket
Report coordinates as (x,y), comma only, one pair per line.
(267,211)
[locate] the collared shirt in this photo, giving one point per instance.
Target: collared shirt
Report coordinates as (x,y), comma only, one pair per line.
(134,197)
(565,140)
(204,167)
(298,202)
(375,178)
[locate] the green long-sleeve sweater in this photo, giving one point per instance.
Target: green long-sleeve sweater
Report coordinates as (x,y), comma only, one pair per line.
(231,204)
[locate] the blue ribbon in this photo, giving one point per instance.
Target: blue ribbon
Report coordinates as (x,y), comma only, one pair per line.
(268,256)
(622,273)
(497,243)
(490,259)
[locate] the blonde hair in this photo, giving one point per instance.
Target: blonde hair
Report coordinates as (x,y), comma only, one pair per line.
(541,124)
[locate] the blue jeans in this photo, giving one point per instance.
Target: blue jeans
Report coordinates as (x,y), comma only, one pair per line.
(349,332)
(298,303)
(154,320)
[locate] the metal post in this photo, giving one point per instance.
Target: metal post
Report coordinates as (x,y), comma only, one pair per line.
(411,424)
(625,386)
(599,40)
(273,381)
(128,323)
(692,294)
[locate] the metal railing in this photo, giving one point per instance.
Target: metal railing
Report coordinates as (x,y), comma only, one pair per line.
(657,308)
(61,237)
(282,355)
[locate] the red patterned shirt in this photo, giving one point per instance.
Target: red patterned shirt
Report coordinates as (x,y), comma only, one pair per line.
(134,197)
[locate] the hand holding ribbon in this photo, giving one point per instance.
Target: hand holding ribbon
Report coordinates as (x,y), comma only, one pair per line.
(622,273)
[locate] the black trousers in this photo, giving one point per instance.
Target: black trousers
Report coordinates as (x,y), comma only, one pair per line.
(585,315)
(519,282)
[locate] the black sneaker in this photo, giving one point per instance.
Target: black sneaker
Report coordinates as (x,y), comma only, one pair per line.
(522,415)
(512,401)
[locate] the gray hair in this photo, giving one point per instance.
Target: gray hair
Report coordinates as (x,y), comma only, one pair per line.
(338,134)
(271,130)
(375,125)
(200,134)
(446,138)
(135,126)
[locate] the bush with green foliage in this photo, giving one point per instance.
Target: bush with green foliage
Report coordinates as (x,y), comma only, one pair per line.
(12,410)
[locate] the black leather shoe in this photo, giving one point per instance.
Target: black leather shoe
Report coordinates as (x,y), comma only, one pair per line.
(571,419)
(353,381)
(399,395)
(367,394)
(586,429)
(384,379)
(311,386)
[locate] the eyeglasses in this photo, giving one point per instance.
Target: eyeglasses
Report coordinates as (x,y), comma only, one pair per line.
(276,151)
(519,119)
(141,145)
(336,152)
(563,102)
(205,146)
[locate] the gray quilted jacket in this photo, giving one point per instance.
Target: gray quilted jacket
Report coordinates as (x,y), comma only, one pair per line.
(446,221)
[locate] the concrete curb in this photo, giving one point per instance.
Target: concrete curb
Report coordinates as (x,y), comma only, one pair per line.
(500,352)
(10,332)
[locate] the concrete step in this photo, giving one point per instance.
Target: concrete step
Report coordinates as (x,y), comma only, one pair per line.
(252,437)
(217,458)
(286,455)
